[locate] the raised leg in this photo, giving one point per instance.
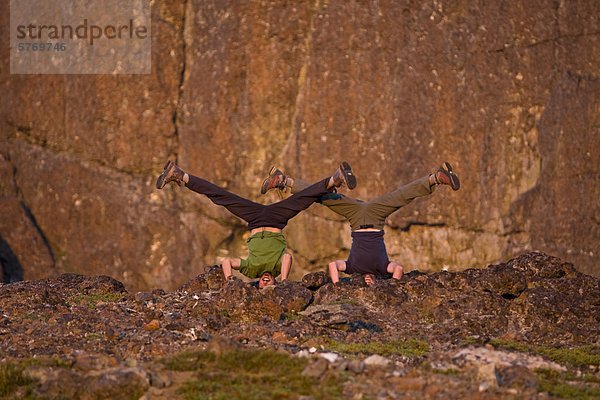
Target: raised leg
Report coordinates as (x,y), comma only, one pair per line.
(238,206)
(340,204)
(284,210)
(381,207)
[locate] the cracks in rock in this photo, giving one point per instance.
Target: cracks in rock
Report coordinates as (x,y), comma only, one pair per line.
(511,233)
(176,117)
(24,135)
(513,294)
(227,242)
(39,230)
(97,165)
(507,295)
(514,46)
(406,227)
(555,49)
(19,195)
(294,140)
(230,221)
(14,174)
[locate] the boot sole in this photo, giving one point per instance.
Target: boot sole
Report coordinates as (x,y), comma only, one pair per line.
(160,182)
(264,187)
(349,177)
(447,170)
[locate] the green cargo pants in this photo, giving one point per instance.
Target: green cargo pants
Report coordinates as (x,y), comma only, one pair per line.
(265,250)
(373,213)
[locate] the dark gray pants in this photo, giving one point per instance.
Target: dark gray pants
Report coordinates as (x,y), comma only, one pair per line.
(258,215)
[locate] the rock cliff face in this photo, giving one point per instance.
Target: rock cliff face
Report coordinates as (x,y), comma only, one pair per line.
(509,93)
(444,334)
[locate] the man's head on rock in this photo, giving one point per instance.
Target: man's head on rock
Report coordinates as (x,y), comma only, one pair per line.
(266,279)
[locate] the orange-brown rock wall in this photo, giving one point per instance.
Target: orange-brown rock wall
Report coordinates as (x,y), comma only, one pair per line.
(508,92)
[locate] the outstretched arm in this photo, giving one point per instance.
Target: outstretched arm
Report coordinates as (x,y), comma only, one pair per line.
(228,264)
(286,266)
(334,267)
(395,269)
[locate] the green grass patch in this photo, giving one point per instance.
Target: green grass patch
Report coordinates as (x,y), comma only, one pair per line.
(90,300)
(189,360)
(32,317)
(470,341)
(426,314)
(291,316)
(12,381)
(346,300)
(511,345)
(577,356)
(566,385)
(250,374)
(402,347)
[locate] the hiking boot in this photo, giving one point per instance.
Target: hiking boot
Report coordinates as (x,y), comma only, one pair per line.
(445,176)
(344,175)
(171,173)
(276,180)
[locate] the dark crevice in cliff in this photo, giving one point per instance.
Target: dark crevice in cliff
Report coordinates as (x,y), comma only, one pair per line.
(29,213)
(181,83)
(512,232)
(237,231)
(37,227)
(11,269)
(23,134)
(507,295)
(478,231)
(6,156)
(406,227)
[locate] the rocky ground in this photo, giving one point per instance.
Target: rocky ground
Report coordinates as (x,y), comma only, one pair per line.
(528,328)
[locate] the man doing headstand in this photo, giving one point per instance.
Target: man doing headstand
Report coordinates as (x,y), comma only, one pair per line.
(267,256)
(368,254)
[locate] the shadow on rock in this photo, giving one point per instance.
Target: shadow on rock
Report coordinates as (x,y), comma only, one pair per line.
(11,269)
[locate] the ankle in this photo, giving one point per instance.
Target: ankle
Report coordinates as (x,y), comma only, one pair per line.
(331,182)
(432,180)
(288,182)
